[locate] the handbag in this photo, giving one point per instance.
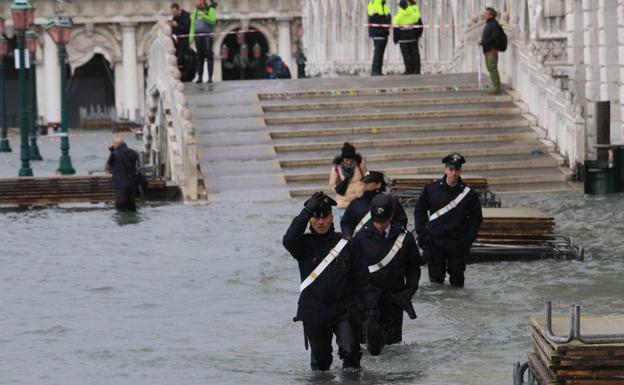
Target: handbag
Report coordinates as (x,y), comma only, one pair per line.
(343,185)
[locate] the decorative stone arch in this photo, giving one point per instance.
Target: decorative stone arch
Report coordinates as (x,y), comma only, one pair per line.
(87,43)
(145,37)
(270,36)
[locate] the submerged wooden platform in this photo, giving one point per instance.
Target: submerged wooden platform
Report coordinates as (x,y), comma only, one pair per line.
(45,191)
(409,187)
(575,362)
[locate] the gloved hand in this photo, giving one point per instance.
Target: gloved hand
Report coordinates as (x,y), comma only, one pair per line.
(424,242)
(315,199)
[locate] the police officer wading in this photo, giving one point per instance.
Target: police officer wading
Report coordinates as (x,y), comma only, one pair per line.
(379,30)
(393,262)
(447,219)
(330,279)
(358,214)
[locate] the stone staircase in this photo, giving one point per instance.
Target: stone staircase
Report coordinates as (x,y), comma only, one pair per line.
(277,139)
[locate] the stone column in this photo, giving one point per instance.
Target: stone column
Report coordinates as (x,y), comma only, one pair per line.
(283,41)
(130,69)
(52,82)
(592,70)
(120,100)
(140,81)
(609,65)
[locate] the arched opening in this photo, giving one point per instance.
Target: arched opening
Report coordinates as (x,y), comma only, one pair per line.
(244,54)
(91,93)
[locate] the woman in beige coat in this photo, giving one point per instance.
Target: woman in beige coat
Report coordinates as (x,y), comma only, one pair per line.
(345,177)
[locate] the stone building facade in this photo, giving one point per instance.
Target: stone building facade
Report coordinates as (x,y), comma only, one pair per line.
(121,31)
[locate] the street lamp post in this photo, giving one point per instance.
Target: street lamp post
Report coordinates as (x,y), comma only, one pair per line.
(31,45)
(60,31)
(23,17)
(4,49)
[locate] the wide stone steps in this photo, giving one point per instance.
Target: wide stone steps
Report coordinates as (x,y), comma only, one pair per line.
(393,127)
(376,103)
(427,167)
(395,113)
(269,140)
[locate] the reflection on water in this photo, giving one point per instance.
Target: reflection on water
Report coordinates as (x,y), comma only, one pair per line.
(205,294)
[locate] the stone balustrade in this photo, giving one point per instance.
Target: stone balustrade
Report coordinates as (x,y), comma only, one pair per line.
(169,132)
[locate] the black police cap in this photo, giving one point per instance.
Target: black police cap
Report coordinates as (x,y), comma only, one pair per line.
(323,208)
(382,208)
(454,159)
(374,177)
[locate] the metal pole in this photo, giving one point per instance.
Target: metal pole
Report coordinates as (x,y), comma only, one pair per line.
(34,113)
(65,167)
(25,170)
(4,139)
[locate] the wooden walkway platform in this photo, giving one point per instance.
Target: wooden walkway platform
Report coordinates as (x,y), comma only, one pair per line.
(45,191)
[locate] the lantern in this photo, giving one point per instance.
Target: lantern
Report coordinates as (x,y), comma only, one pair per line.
(21,13)
(31,41)
(244,52)
(257,51)
(60,30)
(225,52)
(4,47)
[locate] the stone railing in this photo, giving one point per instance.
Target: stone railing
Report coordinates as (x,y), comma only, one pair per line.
(169,132)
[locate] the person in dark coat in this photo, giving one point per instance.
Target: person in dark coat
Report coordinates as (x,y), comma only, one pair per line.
(489,43)
(122,163)
(327,295)
(180,24)
(446,236)
(359,208)
(396,277)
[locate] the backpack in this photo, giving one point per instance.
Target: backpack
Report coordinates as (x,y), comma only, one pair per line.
(501,44)
(277,69)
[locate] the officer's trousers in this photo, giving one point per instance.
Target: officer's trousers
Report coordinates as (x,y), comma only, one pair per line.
(125,197)
(447,260)
(320,338)
(378,55)
(411,57)
(391,319)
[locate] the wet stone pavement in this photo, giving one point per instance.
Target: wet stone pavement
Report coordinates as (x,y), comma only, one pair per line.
(205,294)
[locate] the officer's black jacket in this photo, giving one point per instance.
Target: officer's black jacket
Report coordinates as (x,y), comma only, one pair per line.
(379,32)
(123,162)
(184,26)
(332,294)
(403,272)
(359,207)
(489,39)
(461,224)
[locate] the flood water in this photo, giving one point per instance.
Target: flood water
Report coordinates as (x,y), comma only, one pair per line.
(205,294)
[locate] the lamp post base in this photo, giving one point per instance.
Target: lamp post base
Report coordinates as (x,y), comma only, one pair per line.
(65,167)
(25,171)
(4,145)
(34,151)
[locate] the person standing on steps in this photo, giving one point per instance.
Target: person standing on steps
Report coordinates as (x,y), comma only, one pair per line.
(345,177)
(407,36)
(378,30)
(493,41)
(203,21)
(447,217)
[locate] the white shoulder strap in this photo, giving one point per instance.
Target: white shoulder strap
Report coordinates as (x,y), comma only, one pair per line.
(452,204)
(333,253)
(391,254)
(363,222)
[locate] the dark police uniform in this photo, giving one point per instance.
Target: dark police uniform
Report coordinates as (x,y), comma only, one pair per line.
(378,13)
(448,238)
(123,164)
(324,305)
(398,280)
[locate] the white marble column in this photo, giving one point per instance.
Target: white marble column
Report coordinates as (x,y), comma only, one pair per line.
(120,99)
(130,69)
(52,82)
(283,41)
(41,86)
(140,81)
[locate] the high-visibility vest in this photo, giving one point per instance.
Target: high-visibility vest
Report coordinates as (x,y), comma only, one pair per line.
(406,16)
(378,7)
(416,10)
